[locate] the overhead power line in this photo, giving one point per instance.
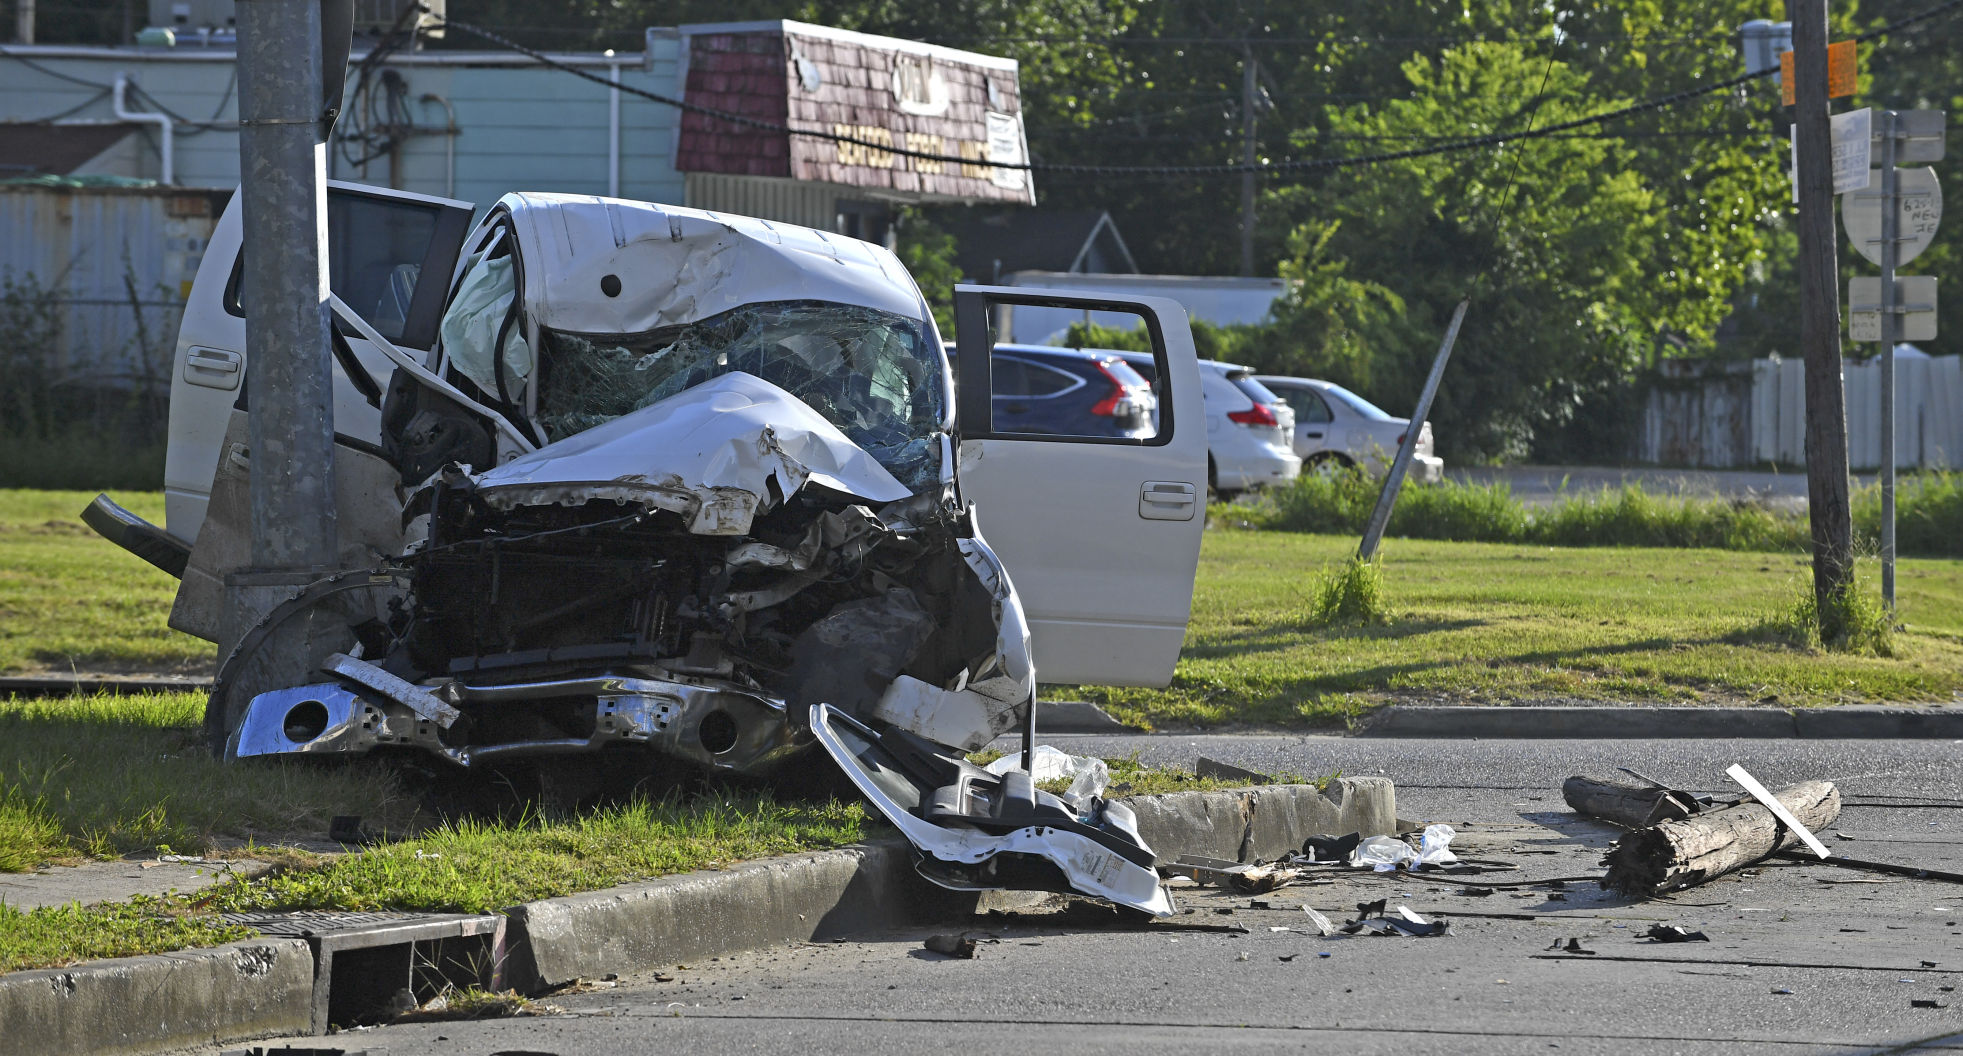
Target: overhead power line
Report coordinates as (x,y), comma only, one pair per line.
(1447,146)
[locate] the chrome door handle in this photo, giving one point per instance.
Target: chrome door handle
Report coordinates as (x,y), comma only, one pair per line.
(1167,500)
(213,368)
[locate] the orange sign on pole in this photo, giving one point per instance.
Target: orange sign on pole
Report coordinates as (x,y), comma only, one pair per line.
(1843,67)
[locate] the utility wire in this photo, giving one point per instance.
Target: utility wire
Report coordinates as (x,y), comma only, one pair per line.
(1298,165)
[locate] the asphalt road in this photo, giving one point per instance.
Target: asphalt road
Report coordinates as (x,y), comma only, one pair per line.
(1794,964)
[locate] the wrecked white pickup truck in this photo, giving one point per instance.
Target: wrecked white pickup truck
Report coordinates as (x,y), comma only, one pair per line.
(622,481)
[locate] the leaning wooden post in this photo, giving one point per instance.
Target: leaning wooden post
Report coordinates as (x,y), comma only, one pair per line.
(1373,533)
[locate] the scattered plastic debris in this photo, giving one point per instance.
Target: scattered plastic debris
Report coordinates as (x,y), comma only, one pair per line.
(1330,848)
(1573,945)
(1674,933)
(1781,990)
(1322,925)
(1088,776)
(1433,848)
(1384,854)
(1374,919)
(1926,1002)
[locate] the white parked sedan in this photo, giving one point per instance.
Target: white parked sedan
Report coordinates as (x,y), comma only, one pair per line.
(1336,427)
(1247,428)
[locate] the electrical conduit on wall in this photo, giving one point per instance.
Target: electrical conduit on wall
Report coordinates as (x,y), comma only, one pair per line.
(162,121)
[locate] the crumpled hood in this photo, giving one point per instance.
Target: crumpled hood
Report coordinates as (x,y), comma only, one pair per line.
(717,453)
(677,265)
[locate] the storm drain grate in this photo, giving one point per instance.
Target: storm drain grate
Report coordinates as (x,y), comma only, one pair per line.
(307,923)
(368,966)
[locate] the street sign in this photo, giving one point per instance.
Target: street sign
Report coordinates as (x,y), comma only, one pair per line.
(1915,299)
(1853,140)
(1918,211)
(1918,137)
(1843,69)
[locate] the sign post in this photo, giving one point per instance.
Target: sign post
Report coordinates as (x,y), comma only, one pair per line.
(1891,228)
(1890,183)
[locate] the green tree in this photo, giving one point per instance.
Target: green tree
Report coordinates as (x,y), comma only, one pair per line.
(928,253)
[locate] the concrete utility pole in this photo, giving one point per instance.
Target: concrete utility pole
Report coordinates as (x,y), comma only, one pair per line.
(283,183)
(23,21)
(1819,313)
(1248,89)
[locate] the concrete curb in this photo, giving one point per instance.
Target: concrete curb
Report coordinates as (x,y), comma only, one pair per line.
(1267,822)
(873,886)
(257,989)
(267,987)
(678,918)
(1846,721)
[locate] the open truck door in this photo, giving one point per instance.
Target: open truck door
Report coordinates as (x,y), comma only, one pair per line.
(390,258)
(1100,534)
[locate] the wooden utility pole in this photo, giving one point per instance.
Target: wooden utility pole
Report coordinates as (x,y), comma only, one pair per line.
(1819,315)
(1248,119)
(1685,852)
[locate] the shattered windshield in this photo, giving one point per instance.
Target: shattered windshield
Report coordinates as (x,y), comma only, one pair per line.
(871,373)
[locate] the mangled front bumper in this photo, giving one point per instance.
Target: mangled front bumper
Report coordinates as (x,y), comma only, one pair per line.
(714,726)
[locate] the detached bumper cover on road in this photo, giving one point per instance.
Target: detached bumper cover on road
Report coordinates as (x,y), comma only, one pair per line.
(977,831)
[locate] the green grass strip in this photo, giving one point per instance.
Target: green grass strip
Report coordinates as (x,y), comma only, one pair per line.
(1929,515)
(57,936)
(483,866)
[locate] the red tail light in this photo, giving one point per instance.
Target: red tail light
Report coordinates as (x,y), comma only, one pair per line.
(1109,404)
(1400,439)
(1259,414)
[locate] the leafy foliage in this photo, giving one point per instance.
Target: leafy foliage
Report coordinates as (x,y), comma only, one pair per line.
(928,252)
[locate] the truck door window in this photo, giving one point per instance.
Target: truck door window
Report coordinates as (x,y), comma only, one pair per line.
(1088,395)
(379,251)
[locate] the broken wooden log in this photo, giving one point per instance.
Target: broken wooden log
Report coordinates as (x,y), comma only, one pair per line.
(1626,800)
(1685,852)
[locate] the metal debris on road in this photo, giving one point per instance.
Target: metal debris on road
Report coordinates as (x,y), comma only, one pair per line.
(952,945)
(1673,933)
